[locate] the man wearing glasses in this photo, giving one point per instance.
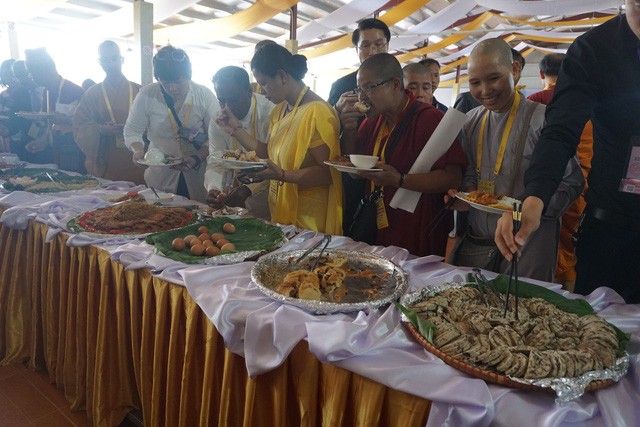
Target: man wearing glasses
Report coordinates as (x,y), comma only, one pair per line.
(175,112)
(395,129)
(372,36)
(100,116)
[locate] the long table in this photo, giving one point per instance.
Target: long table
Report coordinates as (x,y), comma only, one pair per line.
(118,327)
(114,340)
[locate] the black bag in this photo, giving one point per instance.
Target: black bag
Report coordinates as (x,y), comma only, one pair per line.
(364,226)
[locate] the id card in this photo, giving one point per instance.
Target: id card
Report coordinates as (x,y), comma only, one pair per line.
(381,214)
(630,183)
(120,142)
(486,185)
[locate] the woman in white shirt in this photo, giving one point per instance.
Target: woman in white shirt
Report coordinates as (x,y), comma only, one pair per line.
(180,133)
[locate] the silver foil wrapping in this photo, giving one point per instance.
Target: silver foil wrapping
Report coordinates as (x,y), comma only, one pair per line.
(566,389)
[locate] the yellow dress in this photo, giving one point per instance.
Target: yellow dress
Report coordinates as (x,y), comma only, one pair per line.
(290,138)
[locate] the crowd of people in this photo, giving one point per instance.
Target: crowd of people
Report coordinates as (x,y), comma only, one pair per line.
(508,145)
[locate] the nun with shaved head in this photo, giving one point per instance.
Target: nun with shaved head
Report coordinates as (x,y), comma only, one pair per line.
(499,138)
(396,128)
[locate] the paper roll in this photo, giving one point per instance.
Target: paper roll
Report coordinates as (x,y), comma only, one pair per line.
(436,147)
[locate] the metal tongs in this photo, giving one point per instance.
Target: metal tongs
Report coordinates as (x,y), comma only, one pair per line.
(517,221)
(326,239)
(486,288)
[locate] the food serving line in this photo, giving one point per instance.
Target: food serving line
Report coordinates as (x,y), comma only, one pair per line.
(104,316)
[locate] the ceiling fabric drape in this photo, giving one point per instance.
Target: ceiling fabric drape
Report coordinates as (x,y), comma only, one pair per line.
(549,7)
(390,18)
(221,28)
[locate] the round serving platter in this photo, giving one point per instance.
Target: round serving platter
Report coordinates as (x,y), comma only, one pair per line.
(366,271)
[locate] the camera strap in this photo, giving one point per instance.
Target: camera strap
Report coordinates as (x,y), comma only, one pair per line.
(169,100)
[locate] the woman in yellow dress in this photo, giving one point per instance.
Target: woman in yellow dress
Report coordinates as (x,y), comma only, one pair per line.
(303,134)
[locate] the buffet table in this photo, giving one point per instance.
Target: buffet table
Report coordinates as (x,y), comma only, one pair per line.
(118,327)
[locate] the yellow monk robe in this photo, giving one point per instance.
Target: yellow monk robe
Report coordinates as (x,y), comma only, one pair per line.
(308,126)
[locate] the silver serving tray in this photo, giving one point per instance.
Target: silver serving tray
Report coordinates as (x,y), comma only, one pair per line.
(269,271)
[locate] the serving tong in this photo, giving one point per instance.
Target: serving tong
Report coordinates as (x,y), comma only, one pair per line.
(326,239)
(489,292)
(517,221)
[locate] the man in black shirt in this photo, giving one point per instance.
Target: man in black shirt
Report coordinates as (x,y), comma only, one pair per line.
(599,79)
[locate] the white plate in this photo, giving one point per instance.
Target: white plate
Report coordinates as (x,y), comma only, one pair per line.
(507,202)
(350,169)
(238,164)
(34,115)
(166,162)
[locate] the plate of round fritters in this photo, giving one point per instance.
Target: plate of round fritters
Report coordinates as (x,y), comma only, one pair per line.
(132,218)
(43,180)
(251,238)
(547,345)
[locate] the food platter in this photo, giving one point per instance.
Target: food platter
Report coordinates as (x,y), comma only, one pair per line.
(166,162)
(42,180)
(35,115)
(238,164)
(252,237)
(130,219)
(504,204)
(562,371)
(371,280)
(350,169)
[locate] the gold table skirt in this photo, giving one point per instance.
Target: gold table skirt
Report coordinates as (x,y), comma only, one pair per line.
(114,340)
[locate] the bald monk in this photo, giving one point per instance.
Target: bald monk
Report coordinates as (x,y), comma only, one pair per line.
(396,128)
(417,80)
(99,119)
(492,72)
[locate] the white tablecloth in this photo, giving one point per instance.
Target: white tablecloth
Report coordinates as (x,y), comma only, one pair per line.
(371,343)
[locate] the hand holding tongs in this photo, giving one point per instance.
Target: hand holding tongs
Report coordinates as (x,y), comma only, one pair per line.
(326,239)
(517,221)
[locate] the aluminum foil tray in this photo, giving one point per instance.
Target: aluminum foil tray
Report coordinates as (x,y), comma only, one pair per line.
(388,279)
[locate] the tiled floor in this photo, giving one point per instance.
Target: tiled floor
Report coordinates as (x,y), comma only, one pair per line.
(27,399)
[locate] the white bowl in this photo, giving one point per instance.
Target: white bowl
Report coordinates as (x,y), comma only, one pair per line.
(363,162)
(154,155)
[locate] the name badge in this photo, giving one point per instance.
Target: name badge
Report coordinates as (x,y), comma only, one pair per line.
(486,185)
(120,142)
(631,181)
(381,214)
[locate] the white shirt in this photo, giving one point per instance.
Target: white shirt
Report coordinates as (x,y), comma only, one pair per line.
(150,113)
(217,178)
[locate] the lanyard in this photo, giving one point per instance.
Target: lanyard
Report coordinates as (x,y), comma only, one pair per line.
(106,100)
(57,100)
(503,140)
(174,125)
(382,133)
(276,150)
(234,141)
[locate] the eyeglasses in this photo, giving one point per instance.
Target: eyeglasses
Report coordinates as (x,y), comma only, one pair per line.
(378,46)
(175,55)
(367,90)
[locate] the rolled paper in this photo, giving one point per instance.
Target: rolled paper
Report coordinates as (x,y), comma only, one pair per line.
(437,145)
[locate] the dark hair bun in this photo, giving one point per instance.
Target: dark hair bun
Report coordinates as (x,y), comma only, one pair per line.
(298,66)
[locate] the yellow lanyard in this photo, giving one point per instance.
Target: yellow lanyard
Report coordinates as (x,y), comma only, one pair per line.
(503,140)
(276,150)
(57,100)
(106,100)
(234,141)
(382,134)
(187,112)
